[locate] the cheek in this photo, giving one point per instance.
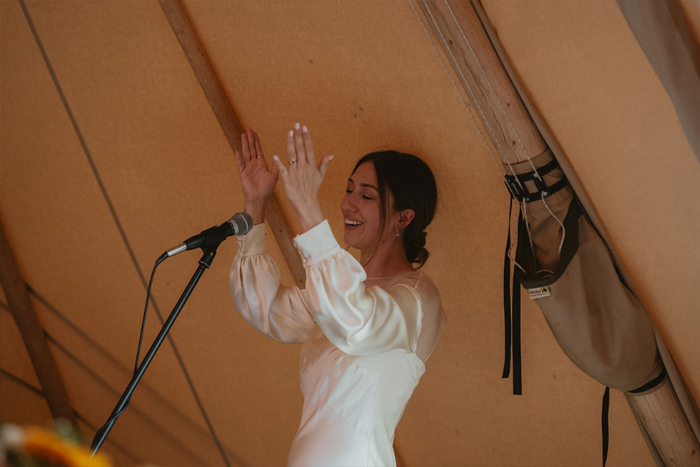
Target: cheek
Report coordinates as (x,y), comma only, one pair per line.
(374,216)
(371,211)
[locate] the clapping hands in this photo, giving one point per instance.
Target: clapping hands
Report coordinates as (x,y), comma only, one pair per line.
(301,179)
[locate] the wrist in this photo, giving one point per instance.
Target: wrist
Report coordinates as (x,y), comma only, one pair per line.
(256,209)
(310,215)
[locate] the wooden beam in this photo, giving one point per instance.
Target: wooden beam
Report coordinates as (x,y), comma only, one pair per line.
(662,416)
(230,123)
(285,240)
(33,333)
(481,73)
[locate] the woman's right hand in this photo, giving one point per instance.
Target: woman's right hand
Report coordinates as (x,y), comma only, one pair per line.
(257,180)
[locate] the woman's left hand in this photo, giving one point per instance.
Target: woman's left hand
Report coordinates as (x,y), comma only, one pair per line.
(302,179)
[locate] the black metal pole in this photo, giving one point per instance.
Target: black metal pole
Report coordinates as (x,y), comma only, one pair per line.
(204,263)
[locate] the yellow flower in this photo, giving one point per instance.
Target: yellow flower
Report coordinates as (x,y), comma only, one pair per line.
(81,458)
(44,445)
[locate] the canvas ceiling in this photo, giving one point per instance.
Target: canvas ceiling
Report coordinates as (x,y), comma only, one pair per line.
(93,189)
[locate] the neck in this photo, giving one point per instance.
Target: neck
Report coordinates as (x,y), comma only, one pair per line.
(388,260)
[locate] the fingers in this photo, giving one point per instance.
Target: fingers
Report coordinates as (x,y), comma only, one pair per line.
(251,149)
(308,145)
(239,161)
(250,146)
(258,148)
(291,149)
(299,144)
(300,148)
(323,166)
(278,167)
(252,137)
(244,148)
(274,169)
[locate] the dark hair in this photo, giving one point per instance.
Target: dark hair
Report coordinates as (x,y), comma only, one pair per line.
(412,185)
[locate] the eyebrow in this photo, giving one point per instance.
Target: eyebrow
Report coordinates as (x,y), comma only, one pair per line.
(363,184)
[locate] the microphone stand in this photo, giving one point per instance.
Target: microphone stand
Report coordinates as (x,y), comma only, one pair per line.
(204,263)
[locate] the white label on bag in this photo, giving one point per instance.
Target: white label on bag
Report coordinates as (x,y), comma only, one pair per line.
(539,292)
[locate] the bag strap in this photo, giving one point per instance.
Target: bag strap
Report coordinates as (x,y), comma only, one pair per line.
(604,424)
(511,315)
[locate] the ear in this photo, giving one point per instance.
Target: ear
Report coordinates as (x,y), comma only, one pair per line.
(405,217)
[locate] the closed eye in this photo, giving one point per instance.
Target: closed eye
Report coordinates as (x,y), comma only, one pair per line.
(348,190)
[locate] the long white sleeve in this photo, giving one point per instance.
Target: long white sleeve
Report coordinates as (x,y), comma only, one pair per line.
(359,320)
(277,311)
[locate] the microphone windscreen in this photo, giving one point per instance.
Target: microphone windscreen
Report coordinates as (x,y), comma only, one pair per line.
(242,223)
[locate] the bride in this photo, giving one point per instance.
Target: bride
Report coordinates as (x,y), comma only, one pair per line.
(367,327)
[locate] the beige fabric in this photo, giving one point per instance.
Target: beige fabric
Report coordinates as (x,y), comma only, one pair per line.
(599,324)
(664,30)
(375,81)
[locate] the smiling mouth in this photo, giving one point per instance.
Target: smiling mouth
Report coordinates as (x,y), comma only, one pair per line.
(351,225)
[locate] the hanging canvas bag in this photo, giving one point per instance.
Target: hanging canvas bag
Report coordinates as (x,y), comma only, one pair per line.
(565,266)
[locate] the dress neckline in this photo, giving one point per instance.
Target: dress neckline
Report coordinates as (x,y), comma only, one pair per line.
(393,277)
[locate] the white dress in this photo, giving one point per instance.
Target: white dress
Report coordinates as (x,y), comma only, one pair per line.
(365,343)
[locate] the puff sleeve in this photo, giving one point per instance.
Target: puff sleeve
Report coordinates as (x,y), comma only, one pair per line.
(273,309)
(358,320)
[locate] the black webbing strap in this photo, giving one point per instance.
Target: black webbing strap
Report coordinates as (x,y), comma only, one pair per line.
(517,366)
(506,299)
(516,184)
(604,423)
(511,314)
(651,384)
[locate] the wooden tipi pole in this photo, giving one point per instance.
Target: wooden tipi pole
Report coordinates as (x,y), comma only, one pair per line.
(32,333)
(229,122)
(661,414)
(479,69)
(482,75)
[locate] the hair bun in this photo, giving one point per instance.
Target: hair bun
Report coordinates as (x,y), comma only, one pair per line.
(414,243)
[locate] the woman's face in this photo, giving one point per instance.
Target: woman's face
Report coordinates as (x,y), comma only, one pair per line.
(361,207)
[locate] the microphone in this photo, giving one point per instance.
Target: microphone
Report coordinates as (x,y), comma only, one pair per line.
(240,224)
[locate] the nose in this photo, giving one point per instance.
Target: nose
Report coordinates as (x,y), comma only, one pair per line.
(347,204)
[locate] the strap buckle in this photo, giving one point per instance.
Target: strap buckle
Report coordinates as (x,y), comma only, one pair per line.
(518,190)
